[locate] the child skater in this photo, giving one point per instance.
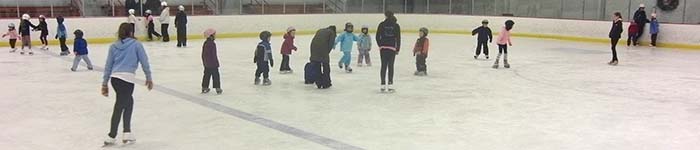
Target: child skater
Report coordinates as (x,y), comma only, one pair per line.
(615,35)
(485,35)
(421,52)
(81,51)
(132,18)
(211,63)
(346,40)
(503,43)
(151,26)
(43,27)
(364,45)
(287,47)
(61,36)
(263,57)
(25,32)
(181,26)
(13,36)
(653,30)
(632,32)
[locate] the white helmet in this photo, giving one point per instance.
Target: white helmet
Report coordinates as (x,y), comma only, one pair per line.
(163,3)
(11,25)
(42,16)
(148,11)
(181,8)
(641,5)
(132,11)
(25,17)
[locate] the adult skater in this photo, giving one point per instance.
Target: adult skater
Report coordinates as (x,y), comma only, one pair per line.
(321,46)
(389,40)
(640,17)
(165,21)
(25,32)
(615,34)
(132,19)
(122,61)
(181,25)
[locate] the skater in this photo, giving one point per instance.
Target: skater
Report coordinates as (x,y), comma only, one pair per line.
(151,26)
(654,30)
(122,61)
(132,18)
(421,52)
(321,46)
(181,26)
(61,35)
(615,35)
(346,41)
(503,43)
(388,38)
(286,50)
(263,57)
(81,51)
(211,63)
(640,17)
(364,45)
(13,36)
(485,36)
(43,27)
(25,32)
(165,21)
(632,33)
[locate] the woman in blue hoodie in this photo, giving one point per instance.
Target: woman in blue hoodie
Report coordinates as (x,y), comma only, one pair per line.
(122,61)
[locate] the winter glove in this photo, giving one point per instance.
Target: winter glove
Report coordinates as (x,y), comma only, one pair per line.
(56,37)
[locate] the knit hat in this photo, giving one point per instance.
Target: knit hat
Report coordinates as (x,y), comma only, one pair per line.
(290,29)
(209,32)
(78,33)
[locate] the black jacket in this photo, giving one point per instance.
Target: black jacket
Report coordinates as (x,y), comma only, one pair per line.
(485,34)
(43,27)
(640,17)
(181,19)
(24,27)
(321,45)
(389,34)
(616,30)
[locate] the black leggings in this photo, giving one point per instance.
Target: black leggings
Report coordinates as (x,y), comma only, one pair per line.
(211,73)
(613,46)
(502,49)
(43,39)
(124,104)
(285,63)
(388,56)
(484,45)
(152,31)
(62,40)
(12,43)
(164,31)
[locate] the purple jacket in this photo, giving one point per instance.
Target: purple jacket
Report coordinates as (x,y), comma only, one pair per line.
(209,57)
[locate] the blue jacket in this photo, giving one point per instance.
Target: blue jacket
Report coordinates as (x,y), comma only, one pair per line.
(61,31)
(346,40)
(365,43)
(124,56)
(654,27)
(80,46)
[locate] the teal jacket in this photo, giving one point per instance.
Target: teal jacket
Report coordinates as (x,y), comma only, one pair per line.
(346,40)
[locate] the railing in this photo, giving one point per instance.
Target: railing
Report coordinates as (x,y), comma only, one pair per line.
(338,6)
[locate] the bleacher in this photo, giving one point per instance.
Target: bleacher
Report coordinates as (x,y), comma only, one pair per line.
(66,11)
(280,9)
(198,10)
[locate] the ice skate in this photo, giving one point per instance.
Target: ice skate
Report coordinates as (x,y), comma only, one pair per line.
(476,56)
(109,141)
(64,53)
(359,65)
(267,82)
(348,69)
(390,88)
(31,53)
(383,88)
(495,65)
(290,71)
(613,63)
(369,65)
(72,69)
(128,138)
(90,68)
(219,91)
(44,48)
(13,50)
(340,65)
(487,56)
(205,90)
(505,64)
(257,81)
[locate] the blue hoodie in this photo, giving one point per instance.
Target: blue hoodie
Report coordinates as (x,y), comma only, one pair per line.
(654,27)
(124,56)
(80,46)
(346,40)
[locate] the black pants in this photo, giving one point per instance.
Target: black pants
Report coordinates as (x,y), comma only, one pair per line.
(387,56)
(164,30)
(653,39)
(633,39)
(639,34)
(124,104)
(152,31)
(503,49)
(613,44)
(182,35)
(263,69)
(43,39)
(62,40)
(211,73)
(420,63)
(133,26)
(12,43)
(285,63)
(325,69)
(481,44)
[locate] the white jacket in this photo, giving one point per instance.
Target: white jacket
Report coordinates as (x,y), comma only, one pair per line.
(165,16)
(131,19)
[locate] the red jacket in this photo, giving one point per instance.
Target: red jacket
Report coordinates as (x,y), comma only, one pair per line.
(633,29)
(288,45)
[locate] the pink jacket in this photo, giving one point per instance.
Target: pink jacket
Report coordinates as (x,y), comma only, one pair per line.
(12,34)
(503,37)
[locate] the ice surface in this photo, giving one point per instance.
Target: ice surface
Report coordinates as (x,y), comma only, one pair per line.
(557,95)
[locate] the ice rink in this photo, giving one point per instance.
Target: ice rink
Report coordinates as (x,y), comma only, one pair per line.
(556,95)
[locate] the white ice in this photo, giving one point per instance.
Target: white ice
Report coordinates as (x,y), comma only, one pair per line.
(557,95)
